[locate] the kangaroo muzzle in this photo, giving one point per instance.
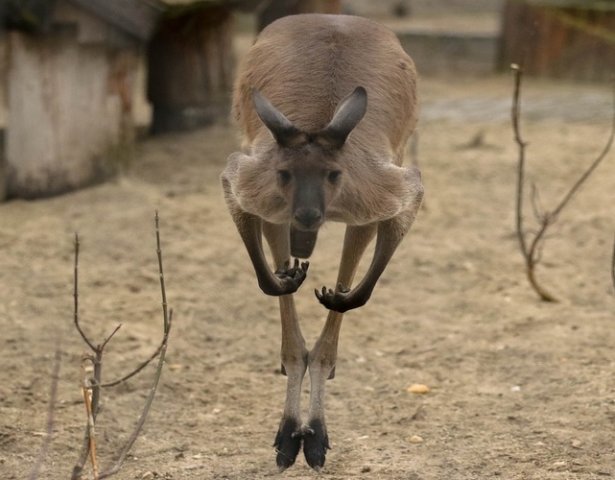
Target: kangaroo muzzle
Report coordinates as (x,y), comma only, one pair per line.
(307,218)
(302,242)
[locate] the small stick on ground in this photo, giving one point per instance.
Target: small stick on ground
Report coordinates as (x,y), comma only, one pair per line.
(613,265)
(531,250)
(76,295)
(53,395)
(86,390)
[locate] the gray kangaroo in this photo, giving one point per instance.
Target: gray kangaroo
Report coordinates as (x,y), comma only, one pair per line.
(326,104)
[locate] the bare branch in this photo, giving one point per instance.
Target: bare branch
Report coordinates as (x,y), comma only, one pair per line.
(90,382)
(161,273)
(167,318)
(148,403)
(516,113)
(591,168)
(536,203)
(83,456)
(76,296)
(532,251)
(613,265)
(109,337)
(534,255)
(53,395)
(164,310)
(136,370)
(93,384)
(86,390)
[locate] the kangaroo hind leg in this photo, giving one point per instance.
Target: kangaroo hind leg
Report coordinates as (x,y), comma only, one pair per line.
(323,356)
(293,354)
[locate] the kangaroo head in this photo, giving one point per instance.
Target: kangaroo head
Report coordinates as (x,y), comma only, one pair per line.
(308,173)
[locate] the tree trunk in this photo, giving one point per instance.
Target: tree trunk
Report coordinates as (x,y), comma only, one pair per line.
(190,69)
(69,112)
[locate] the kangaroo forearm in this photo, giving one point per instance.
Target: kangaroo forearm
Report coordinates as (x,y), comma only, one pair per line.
(284,281)
(250,230)
(267,281)
(388,238)
(342,301)
(358,296)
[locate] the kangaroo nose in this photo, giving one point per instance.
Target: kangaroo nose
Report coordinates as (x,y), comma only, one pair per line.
(308,217)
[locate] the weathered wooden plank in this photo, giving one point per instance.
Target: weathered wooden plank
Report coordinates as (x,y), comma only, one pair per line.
(3,73)
(3,110)
(90,28)
(558,42)
(69,113)
(190,70)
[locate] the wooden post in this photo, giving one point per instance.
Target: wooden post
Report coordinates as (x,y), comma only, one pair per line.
(190,69)
(69,112)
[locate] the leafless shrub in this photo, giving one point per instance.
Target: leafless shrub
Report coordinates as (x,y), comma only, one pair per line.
(92,377)
(531,243)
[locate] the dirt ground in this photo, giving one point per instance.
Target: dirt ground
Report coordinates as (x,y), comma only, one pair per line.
(519,389)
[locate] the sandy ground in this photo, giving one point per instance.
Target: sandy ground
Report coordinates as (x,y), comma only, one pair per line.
(519,389)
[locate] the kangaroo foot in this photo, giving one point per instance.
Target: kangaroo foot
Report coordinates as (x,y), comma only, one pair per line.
(315,444)
(287,443)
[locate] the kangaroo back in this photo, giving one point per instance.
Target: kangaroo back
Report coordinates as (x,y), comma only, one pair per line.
(305,64)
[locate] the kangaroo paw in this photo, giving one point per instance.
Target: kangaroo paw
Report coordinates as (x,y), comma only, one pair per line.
(287,443)
(315,444)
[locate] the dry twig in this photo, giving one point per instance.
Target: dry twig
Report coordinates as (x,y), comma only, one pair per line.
(613,265)
(167,318)
(531,249)
(53,394)
(86,390)
(93,383)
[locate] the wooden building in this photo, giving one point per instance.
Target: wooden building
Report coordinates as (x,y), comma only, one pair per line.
(71,81)
(190,59)
(71,69)
(560,38)
(190,64)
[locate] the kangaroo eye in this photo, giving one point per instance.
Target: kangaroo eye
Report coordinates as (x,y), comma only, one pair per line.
(334,176)
(284,176)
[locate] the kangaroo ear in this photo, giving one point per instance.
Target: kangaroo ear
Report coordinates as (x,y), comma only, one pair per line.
(284,132)
(347,115)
